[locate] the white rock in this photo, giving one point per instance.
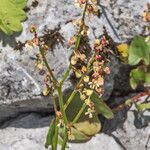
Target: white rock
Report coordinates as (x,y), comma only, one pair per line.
(99,142)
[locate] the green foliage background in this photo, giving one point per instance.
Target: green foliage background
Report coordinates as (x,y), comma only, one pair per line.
(11,15)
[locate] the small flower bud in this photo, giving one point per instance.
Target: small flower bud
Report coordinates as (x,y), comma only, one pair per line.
(99,57)
(74,60)
(46,91)
(78,73)
(82,96)
(58,114)
(83,69)
(86,79)
(33,29)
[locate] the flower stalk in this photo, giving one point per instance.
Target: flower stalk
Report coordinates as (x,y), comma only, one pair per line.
(52,85)
(55,138)
(65,139)
(48,67)
(76,45)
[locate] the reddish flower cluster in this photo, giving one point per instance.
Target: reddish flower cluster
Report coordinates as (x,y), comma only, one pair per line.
(146,14)
(99,68)
(94,76)
(91,7)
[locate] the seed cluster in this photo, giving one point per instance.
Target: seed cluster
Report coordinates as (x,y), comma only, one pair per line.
(146,13)
(93,79)
(90,71)
(146,18)
(99,68)
(91,7)
(39,60)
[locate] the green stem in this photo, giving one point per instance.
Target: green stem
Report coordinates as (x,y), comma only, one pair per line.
(73,94)
(65,140)
(54,103)
(70,99)
(55,138)
(61,104)
(52,147)
(76,46)
(65,75)
(77,117)
(77,86)
(48,67)
(79,114)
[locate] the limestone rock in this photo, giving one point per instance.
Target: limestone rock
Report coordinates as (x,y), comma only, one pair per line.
(20,83)
(28,131)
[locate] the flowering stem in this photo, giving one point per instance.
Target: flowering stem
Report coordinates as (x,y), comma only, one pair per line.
(77,86)
(55,138)
(79,114)
(73,94)
(76,45)
(48,67)
(61,104)
(54,104)
(65,75)
(65,140)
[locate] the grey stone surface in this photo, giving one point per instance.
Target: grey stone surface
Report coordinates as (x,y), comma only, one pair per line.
(99,142)
(130,128)
(24,133)
(21,85)
(19,81)
(125,16)
(125,132)
(132,137)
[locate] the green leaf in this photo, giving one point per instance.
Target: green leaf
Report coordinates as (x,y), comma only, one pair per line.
(147,78)
(60,140)
(133,83)
(101,107)
(11,15)
(142,107)
(5,28)
(86,127)
(19,3)
(138,74)
(78,135)
(128,102)
(50,134)
(60,135)
(15,25)
(139,50)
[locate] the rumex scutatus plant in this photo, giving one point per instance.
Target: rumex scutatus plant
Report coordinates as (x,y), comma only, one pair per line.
(76,113)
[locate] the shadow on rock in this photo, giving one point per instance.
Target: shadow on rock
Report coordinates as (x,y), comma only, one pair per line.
(29,121)
(8,40)
(117,122)
(141,120)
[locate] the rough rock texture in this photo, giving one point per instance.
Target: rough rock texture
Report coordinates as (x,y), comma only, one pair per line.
(128,130)
(21,85)
(131,129)
(29,132)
